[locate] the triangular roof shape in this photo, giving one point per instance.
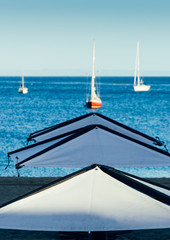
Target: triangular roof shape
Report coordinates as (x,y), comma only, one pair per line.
(93,199)
(89,119)
(149,183)
(25,152)
(97,144)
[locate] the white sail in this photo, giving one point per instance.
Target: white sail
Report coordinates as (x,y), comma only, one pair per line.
(22,81)
(139,85)
(93,76)
(22,89)
(94,101)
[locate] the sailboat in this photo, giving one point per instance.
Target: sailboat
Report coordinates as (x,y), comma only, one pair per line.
(139,85)
(22,89)
(94,101)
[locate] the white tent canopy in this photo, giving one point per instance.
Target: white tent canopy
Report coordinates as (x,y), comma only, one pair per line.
(93,199)
(89,119)
(96,144)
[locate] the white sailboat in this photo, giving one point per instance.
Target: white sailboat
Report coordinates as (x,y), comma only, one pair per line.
(22,89)
(139,85)
(94,101)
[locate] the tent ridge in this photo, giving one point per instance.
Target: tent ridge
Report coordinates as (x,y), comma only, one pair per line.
(118,202)
(62,124)
(46,140)
(69,138)
(146,180)
(49,129)
(134,140)
(138,186)
(158,142)
(51,184)
(86,129)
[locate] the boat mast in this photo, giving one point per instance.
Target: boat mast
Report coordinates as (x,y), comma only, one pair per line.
(22,81)
(135,69)
(93,76)
(138,63)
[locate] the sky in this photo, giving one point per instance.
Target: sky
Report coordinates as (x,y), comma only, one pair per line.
(55,37)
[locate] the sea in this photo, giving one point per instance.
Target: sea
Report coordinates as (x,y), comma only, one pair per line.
(52,100)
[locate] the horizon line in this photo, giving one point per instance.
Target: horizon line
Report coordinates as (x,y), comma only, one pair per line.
(82,76)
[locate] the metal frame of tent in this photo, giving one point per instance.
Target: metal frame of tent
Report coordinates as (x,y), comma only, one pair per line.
(67,137)
(32,136)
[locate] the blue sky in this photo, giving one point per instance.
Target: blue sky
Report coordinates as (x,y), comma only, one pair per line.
(55,37)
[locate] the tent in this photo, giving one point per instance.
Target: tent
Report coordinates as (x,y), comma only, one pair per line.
(89,119)
(25,152)
(93,199)
(92,144)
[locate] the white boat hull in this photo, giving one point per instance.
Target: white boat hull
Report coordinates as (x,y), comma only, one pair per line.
(141,88)
(23,90)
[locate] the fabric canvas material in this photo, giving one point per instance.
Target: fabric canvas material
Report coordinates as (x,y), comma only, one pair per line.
(99,146)
(90,201)
(88,120)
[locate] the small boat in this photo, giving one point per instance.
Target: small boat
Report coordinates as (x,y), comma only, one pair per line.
(22,89)
(139,85)
(94,101)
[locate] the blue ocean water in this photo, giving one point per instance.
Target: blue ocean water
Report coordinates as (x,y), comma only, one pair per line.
(52,100)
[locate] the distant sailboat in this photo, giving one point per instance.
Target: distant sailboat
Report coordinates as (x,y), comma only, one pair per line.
(22,89)
(94,101)
(139,85)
